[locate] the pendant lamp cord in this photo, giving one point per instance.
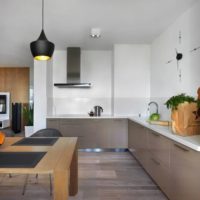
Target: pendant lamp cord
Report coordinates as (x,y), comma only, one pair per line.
(42,14)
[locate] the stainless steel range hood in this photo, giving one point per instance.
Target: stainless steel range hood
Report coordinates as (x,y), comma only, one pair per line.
(73,70)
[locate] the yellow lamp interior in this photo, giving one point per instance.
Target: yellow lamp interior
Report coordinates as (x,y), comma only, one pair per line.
(43,58)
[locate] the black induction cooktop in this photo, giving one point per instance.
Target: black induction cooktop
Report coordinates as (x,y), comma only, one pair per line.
(20,159)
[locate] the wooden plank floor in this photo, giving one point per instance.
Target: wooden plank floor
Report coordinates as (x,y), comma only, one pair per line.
(102,176)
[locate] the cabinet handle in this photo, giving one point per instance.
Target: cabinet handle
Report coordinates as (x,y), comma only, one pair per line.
(156,162)
(132,150)
(181,148)
(155,134)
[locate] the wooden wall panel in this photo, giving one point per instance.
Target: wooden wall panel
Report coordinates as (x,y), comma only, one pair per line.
(16,81)
(2,80)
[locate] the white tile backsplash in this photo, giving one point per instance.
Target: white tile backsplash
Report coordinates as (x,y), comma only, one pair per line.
(79,105)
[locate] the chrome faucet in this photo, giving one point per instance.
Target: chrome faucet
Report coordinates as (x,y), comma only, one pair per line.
(153,102)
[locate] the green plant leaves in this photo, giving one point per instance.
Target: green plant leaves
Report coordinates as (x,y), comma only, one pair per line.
(28,115)
(174,101)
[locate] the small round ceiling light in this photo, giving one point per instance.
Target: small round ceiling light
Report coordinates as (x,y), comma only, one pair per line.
(42,49)
(95,33)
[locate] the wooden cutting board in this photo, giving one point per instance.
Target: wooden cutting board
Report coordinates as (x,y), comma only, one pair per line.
(160,122)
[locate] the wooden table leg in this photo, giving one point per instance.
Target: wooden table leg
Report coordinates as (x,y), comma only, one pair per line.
(61,185)
(73,187)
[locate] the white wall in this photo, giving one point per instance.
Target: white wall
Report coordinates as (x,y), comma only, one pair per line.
(131,79)
(127,80)
(40,94)
(95,69)
(49,87)
(164,77)
(123,81)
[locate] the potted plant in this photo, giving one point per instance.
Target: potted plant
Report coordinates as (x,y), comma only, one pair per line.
(28,119)
(184,114)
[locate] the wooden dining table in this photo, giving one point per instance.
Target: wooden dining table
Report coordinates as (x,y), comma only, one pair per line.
(60,160)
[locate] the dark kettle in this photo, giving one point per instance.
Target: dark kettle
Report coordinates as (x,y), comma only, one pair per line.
(98,110)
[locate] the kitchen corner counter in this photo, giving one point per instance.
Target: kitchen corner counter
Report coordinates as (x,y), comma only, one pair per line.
(85,117)
(108,132)
(192,142)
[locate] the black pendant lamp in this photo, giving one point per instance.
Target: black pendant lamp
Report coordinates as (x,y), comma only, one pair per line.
(42,49)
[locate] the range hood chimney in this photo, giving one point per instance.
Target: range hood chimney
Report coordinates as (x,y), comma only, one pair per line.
(73,70)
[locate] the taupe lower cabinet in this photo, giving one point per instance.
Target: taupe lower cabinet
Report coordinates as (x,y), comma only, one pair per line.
(137,142)
(174,167)
(159,160)
(153,152)
(94,133)
(185,173)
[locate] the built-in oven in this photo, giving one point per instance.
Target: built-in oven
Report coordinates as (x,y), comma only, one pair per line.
(4,110)
(3,104)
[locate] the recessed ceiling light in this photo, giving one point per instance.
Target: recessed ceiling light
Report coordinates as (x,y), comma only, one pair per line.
(95,33)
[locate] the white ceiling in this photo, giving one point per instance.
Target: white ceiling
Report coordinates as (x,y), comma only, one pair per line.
(68,23)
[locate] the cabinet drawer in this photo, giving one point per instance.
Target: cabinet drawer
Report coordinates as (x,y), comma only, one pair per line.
(53,123)
(137,143)
(71,130)
(118,136)
(185,176)
(160,173)
(94,133)
(159,147)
